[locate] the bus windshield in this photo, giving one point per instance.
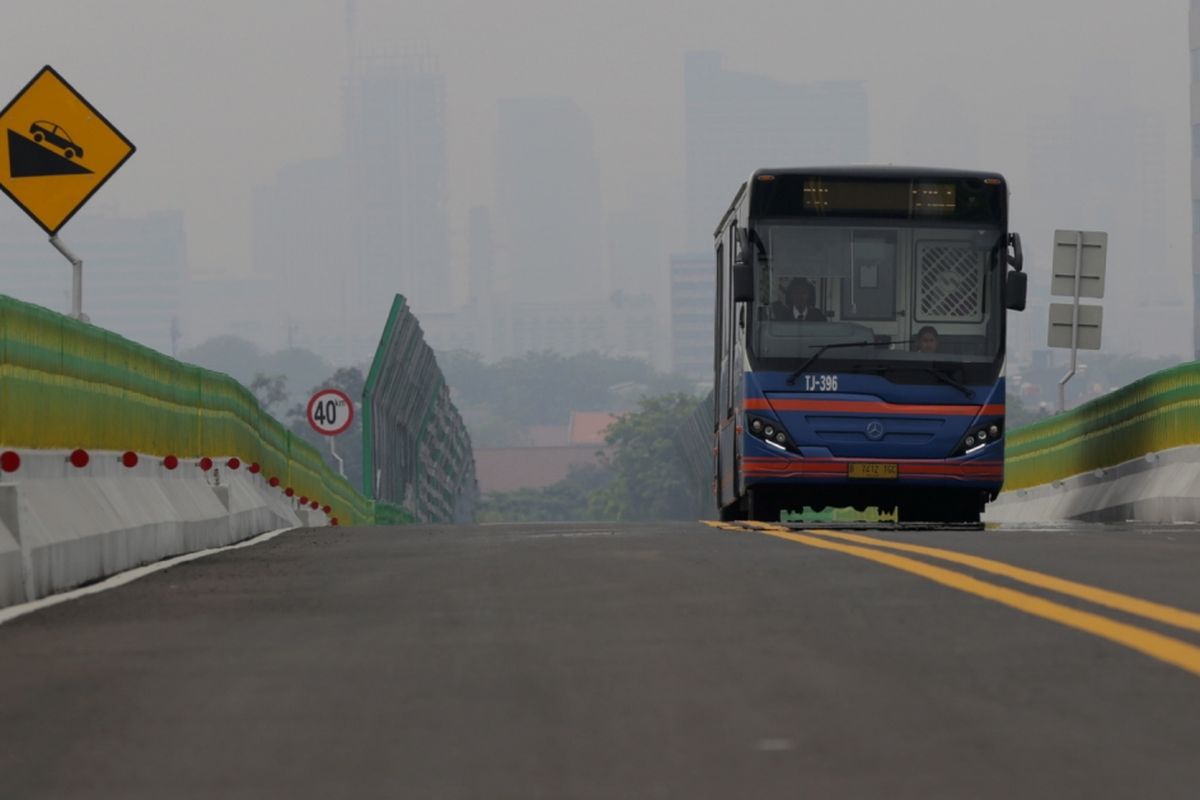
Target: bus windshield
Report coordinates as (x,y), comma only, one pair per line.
(871,293)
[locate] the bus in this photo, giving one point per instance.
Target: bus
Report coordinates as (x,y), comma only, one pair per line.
(860,332)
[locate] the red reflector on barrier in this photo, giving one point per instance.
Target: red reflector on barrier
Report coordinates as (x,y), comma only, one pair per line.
(233,463)
(129,459)
(79,458)
(289,491)
(303,499)
(274,481)
(170,462)
(255,468)
(327,509)
(333,522)
(315,505)
(10,461)
(206,463)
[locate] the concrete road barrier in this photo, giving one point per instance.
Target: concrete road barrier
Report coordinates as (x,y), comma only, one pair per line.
(62,526)
(1157,487)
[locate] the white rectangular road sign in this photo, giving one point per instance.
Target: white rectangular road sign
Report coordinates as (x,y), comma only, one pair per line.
(1090,320)
(1091,265)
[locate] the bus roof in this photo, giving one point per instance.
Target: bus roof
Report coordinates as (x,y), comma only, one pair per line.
(878,171)
(865,171)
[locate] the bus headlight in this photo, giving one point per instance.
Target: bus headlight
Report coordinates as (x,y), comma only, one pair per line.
(768,431)
(980,436)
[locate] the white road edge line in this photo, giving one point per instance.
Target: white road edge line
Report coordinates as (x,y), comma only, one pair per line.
(129,576)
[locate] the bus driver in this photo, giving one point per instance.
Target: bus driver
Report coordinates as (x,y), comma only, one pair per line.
(797,304)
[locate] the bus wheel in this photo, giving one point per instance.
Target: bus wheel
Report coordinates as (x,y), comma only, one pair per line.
(735,511)
(765,506)
(940,507)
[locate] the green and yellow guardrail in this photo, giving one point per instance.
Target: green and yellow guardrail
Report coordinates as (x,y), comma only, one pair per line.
(66,384)
(1156,413)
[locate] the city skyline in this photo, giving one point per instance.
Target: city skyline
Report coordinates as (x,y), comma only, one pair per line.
(932,105)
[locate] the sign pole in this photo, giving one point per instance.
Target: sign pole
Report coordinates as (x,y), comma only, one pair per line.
(1062,384)
(333,452)
(76,276)
(330,412)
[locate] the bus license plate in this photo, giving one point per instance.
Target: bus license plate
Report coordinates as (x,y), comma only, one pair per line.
(874,470)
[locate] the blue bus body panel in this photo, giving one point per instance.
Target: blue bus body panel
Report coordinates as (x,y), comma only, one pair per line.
(919,428)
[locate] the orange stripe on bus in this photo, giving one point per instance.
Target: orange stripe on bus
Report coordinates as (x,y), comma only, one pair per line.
(868,407)
(774,467)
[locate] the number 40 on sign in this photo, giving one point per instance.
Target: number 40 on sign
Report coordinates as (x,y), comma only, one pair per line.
(330,412)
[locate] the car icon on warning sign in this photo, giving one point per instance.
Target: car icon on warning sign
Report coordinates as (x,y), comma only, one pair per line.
(50,133)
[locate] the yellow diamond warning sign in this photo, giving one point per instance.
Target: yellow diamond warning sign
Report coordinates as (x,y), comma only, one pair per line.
(56,150)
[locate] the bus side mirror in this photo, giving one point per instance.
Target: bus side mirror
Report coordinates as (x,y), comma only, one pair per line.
(1016,286)
(1015,259)
(741,254)
(743,283)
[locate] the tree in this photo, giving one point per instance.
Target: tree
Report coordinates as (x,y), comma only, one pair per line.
(650,479)
(565,501)
(232,355)
(271,390)
(244,362)
(500,401)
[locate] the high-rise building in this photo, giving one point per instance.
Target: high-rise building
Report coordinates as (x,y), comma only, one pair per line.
(397,187)
(133,271)
(303,257)
(1098,163)
(736,123)
(481,261)
(693,290)
(549,219)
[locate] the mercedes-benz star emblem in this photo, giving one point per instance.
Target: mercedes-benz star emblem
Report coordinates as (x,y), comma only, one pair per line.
(875,430)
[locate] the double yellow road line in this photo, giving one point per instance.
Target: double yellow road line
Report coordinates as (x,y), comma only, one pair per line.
(1156,645)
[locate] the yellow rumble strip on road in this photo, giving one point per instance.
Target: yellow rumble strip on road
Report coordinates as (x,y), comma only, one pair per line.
(1157,646)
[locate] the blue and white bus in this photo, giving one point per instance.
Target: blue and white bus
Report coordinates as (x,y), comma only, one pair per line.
(860,330)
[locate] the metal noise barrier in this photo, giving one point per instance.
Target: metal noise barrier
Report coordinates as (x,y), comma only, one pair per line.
(695,445)
(417,459)
(65,384)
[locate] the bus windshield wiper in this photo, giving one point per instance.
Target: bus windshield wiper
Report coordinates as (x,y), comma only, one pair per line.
(941,375)
(800,370)
(945,377)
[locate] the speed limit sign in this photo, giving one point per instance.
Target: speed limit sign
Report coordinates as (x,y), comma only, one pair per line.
(330,412)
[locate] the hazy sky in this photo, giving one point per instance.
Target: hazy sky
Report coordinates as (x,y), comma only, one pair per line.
(218,95)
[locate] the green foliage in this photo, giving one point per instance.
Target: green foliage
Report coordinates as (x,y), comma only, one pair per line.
(349,444)
(1016,415)
(232,355)
(500,401)
(244,362)
(269,390)
(566,501)
(650,477)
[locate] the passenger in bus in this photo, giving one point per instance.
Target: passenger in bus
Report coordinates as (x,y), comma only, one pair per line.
(927,339)
(797,304)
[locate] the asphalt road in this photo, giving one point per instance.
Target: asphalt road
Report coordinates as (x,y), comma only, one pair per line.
(597,661)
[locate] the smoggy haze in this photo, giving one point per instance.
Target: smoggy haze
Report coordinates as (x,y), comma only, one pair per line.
(219,96)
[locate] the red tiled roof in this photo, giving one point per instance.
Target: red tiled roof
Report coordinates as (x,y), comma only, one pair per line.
(505,469)
(587,427)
